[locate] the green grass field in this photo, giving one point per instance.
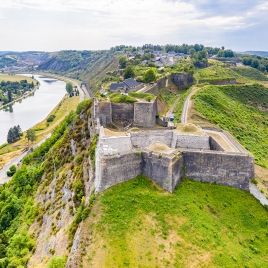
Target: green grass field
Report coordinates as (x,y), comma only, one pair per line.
(250,73)
(16,78)
(240,109)
(136,224)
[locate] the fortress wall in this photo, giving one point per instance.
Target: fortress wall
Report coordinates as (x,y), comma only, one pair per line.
(164,171)
(145,139)
(119,144)
(153,90)
(114,170)
(123,110)
(161,83)
(145,114)
(192,142)
(104,109)
(226,169)
(214,145)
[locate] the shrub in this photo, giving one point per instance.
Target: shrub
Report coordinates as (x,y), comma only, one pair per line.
(51,118)
(11,171)
(255,181)
(57,262)
(120,98)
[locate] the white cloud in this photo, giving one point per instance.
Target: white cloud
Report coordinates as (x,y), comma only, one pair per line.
(110,22)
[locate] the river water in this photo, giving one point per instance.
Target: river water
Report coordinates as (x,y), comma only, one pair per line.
(33,109)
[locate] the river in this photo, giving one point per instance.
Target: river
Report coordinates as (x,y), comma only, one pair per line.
(33,109)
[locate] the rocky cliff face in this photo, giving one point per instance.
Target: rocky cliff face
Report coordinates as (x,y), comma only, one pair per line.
(183,80)
(65,194)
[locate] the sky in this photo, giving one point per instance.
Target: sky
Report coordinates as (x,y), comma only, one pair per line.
(53,25)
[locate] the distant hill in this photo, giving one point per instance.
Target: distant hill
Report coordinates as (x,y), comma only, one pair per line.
(256,53)
(87,66)
(22,59)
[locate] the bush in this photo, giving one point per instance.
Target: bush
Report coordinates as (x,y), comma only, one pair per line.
(123,99)
(255,181)
(11,171)
(51,118)
(82,105)
(57,262)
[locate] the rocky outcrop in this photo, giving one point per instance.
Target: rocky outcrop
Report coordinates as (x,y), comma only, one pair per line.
(183,80)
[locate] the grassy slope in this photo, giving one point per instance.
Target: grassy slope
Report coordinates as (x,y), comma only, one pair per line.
(135,224)
(237,108)
(250,73)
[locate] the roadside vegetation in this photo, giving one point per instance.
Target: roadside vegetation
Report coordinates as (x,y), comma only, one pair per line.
(200,224)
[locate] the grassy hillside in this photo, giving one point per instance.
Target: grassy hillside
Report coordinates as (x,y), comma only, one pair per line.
(250,73)
(215,72)
(240,109)
(136,224)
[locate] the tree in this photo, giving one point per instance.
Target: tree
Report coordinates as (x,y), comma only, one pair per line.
(69,88)
(123,61)
(9,95)
(30,135)
(129,72)
(255,64)
(149,76)
(192,52)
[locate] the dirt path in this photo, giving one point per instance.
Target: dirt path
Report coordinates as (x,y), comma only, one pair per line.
(170,111)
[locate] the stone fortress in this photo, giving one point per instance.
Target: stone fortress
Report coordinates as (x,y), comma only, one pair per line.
(163,154)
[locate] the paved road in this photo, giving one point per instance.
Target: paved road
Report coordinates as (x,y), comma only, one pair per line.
(185,109)
(15,161)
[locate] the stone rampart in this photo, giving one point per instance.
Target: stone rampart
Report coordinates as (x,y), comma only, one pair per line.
(104,112)
(145,114)
(145,139)
(114,170)
(117,144)
(214,145)
(123,110)
(216,167)
(161,123)
(191,141)
(165,171)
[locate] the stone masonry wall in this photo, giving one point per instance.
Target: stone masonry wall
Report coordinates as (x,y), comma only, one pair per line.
(214,145)
(145,114)
(145,139)
(104,109)
(123,110)
(115,170)
(118,144)
(165,171)
(226,169)
(192,142)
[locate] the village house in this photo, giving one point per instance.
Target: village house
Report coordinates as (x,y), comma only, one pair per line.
(129,85)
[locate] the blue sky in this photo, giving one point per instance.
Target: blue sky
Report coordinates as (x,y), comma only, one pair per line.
(51,25)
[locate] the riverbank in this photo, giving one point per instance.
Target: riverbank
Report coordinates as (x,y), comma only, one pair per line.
(43,128)
(8,152)
(7,77)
